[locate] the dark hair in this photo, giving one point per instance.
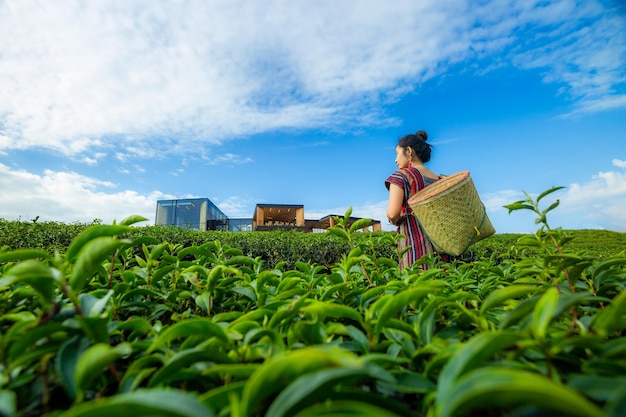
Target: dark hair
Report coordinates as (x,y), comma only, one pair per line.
(417,142)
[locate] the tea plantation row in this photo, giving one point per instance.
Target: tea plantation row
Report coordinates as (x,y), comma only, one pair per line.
(288,246)
(117,320)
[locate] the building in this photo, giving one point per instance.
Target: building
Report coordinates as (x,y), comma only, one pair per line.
(291,216)
(202,214)
(239,224)
(191,213)
(278,216)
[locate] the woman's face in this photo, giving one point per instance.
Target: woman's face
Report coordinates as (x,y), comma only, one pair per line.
(401,157)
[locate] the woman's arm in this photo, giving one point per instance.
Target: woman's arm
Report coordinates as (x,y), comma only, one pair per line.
(394,208)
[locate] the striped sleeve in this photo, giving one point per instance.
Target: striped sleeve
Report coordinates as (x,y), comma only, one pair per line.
(396,178)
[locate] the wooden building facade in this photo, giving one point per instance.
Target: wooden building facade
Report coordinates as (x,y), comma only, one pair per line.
(291,216)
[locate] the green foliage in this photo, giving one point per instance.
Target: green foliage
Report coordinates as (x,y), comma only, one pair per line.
(120,322)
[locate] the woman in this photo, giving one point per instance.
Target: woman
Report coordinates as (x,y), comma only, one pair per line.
(412,152)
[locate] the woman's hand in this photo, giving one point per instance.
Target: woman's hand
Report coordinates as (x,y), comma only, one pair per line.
(399,221)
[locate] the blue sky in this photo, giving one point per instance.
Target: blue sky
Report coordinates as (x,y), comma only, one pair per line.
(108,106)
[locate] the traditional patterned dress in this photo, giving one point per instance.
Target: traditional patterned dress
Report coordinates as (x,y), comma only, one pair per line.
(411,181)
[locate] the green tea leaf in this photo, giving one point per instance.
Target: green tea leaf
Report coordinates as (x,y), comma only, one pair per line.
(359,224)
(157,250)
(322,310)
(23,254)
(94,360)
(333,289)
(596,387)
(284,315)
(132,219)
(198,326)
(547,192)
(612,317)
(408,382)
(510,388)
(182,360)
(203,300)
(288,283)
(90,234)
(67,360)
(318,386)
(340,233)
(552,207)
(502,295)
(90,257)
(608,264)
(231,371)
(521,313)
(25,336)
(369,295)
(255,315)
(219,398)
(394,303)
(240,260)
(280,370)
(137,325)
(217,273)
(135,378)
(519,205)
(469,356)
(544,312)
(38,276)
(531,240)
(92,306)
(146,402)
(96,328)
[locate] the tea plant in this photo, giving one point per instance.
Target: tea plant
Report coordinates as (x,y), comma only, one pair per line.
(125,324)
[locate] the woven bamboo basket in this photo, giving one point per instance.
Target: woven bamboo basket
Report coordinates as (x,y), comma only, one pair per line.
(451,213)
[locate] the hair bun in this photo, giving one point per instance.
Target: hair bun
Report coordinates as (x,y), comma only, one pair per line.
(422,134)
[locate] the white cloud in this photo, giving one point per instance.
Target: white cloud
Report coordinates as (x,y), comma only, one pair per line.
(603,188)
(177,172)
(619,163)
(598,203)
(77,76)
(236,206)
(605,102)
(89,161)
(496,201)
(69,197)
(227,158)
(588,57)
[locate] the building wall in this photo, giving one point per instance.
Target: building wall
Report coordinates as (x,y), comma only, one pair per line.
(193,213)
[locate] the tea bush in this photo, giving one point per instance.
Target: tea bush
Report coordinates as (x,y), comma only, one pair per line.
(291,247)
(273,247)
(121,323)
